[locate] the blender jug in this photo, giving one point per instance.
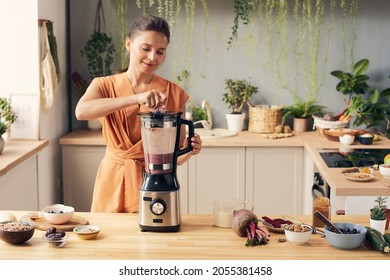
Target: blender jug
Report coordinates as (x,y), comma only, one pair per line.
(159,208)
(161,135)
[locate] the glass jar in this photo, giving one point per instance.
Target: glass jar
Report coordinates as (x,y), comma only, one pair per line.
(322,205)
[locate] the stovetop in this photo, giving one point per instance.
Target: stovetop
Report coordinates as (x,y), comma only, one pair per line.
(353,157)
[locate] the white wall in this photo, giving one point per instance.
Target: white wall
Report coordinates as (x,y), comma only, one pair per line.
(54,124)
(372,42)
(19,73)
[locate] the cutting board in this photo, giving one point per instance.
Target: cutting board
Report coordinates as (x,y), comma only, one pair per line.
(42,224)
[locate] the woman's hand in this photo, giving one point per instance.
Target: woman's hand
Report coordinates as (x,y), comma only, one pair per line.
(152,99)
(196,144)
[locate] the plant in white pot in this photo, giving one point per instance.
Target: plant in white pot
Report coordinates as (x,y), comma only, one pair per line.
(238,93)
(7,116)
(378,215)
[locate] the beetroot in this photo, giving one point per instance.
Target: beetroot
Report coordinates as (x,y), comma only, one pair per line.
(245,223)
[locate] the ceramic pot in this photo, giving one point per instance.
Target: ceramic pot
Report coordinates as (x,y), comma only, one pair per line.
(235,121)
(379,225)
(300,125)
(2,143)
(94,125)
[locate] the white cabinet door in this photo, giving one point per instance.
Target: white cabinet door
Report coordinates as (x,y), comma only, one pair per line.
(274,180)
(215,172)
(80,165)
(19,187)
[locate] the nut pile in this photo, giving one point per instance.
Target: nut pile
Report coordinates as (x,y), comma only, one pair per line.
(16,226)
(297,228)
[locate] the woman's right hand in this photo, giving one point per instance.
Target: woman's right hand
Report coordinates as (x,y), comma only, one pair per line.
(152,99)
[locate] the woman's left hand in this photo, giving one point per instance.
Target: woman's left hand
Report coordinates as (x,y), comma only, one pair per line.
(196,143)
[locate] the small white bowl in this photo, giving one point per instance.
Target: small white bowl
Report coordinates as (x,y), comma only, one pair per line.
(346,139)
(58,214)
(384,169)
(298,237)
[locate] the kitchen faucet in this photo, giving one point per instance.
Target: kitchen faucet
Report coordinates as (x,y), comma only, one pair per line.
(207,124)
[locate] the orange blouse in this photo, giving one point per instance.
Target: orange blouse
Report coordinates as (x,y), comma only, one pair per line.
(121,171)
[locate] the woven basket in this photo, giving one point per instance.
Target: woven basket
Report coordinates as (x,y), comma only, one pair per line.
(263,118)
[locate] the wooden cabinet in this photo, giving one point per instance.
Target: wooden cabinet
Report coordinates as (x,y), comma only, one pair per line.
(274,180)
(79,166)
(215,172)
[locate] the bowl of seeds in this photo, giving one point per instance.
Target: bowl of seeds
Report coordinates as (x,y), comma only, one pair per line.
(16,232)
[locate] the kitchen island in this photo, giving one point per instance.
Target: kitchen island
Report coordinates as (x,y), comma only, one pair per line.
(198,239)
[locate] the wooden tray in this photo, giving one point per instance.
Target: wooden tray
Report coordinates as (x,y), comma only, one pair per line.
(42,224)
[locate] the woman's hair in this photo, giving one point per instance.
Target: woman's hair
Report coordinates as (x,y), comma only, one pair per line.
(150,23)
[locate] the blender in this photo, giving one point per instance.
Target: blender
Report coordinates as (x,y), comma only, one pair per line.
(159,206)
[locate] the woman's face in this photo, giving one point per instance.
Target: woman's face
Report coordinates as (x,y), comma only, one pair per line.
(147,50)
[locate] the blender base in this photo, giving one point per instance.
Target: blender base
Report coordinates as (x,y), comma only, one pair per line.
(160,229)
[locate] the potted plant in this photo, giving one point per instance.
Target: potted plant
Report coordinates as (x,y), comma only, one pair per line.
(301,111)
(7,116)
(378,215)
(238,93)
(196,113)
(366,105)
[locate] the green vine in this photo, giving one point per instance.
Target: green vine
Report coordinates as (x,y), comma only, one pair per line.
(243,9)
(205,38)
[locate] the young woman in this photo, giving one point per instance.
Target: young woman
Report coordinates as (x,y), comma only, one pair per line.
(115,100)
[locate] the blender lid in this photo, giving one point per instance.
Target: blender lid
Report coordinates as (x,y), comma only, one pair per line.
(158,115)
(158,119)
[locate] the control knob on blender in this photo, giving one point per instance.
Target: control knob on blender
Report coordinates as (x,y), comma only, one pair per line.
(158,206)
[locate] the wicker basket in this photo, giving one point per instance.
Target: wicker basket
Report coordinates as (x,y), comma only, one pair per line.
(263,118)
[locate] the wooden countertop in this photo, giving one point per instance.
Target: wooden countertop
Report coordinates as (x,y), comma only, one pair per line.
(17,151)
(334,176)
(243,139)
(198,239)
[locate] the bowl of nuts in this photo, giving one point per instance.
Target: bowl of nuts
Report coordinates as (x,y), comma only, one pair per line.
(298,233)
(16,232)
(87,232)
(55,238)
(58,214)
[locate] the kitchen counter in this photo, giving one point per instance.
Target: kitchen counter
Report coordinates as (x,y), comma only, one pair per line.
(198,239)
(243,139)
(333,176)
(17,151)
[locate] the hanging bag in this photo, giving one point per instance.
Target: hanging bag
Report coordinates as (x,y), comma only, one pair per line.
(48,75)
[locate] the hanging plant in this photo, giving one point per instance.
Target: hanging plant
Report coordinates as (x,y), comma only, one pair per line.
(243,10)
(99,52)
(205,38)
(119,27)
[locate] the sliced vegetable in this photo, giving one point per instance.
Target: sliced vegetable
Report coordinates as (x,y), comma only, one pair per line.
(376,240)
(276,223)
